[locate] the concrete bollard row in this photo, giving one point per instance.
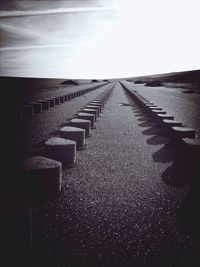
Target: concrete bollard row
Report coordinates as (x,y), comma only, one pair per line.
(82,123)
(87,116)
(45,104)
(75,134)
(162,117)
(90,111)
(183,132)
(154,108)
(57,100)
(62,150)
(51,102)
(94,108)
(80,126)
(99,105)
(37,107)
(26,111)
(97,108)
(174,128)
(42,175)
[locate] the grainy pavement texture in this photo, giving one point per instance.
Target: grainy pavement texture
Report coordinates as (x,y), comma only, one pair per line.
(128,201)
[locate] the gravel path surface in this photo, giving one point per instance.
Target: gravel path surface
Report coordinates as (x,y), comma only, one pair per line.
(123,202)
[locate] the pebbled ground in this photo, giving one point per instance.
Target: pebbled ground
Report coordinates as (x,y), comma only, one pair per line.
(125,202)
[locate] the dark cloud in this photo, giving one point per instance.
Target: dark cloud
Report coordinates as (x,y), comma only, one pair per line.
(9,5)
(49,4)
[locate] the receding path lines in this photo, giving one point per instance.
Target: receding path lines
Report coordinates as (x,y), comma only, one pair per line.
(115,208)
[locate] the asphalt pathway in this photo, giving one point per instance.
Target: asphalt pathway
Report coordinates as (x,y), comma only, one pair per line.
(122,204)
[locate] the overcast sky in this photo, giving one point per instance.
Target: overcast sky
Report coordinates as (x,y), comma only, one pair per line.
(98,39)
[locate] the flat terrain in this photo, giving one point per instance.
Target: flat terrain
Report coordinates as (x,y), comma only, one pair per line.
(185,107)
(21,91)
(130,200)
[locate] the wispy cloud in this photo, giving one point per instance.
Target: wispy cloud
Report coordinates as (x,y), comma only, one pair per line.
(33,47)
(16,13)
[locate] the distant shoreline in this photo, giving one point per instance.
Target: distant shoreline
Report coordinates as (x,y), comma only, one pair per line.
(184,80)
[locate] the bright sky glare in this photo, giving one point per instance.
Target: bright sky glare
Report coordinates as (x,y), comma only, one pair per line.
(103,39)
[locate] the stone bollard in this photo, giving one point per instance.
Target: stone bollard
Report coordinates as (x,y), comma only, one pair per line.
(84,124)
(37,107)
(75,134)
(57,100)
(171,123)
(94,107)
(162,117)
(145,102)
(62,150)
(62,100)
(90,111)
(155,108)
(99,99)
(40,177)
(87,116)
(156,112)
(66,98)
(45,104)
(98,102)
(150,105)
(183,132)
(51,101)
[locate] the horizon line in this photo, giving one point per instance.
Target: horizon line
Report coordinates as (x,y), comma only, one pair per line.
(102,78)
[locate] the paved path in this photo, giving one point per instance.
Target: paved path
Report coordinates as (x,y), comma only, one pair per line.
(122,203)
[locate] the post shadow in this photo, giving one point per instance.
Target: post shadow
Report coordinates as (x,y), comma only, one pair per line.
(153,130)
(158,140)
(158,136)
(146,123)
(184,170)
